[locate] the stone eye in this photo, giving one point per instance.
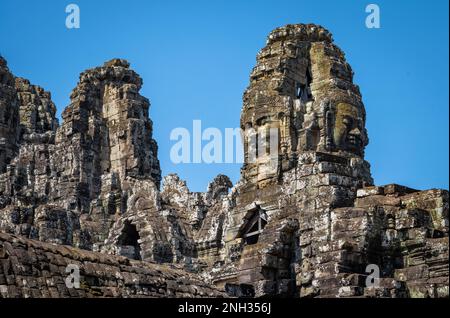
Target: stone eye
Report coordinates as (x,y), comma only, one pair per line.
(347,121)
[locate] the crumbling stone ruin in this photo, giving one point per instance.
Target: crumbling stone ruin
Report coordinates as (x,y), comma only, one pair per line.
(307,222)
(42,269)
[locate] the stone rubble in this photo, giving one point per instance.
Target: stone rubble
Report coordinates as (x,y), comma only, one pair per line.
(307,222)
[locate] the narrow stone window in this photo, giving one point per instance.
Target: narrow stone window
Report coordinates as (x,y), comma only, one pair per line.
(303,91)
(298,90)
(307,92)
(254,226)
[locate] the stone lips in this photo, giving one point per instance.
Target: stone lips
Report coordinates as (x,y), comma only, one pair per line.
(308,225)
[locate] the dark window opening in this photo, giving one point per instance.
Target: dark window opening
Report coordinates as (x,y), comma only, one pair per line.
(254,227)
(128,242)
(303,91)
(268,132)
(308,94)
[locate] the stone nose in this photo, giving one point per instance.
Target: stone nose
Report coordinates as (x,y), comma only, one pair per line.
(355,131)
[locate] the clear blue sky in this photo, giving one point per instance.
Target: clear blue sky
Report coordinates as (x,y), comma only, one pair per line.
(196,56)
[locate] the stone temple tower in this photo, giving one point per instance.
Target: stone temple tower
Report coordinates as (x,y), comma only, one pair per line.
(304,220)
(302,86)
(294,224)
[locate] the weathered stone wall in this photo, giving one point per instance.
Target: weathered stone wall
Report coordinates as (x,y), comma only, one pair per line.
(36,111)
(167,222)
(35,269)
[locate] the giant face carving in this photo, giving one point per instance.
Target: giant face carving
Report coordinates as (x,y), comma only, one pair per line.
(268,145)
(349,132)
(262,143)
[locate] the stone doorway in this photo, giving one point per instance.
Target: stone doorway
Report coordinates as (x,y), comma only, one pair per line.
(128,242)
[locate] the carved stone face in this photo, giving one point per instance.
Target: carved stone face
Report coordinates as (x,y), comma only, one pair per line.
(268,146)
(349,133)
(262,146)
